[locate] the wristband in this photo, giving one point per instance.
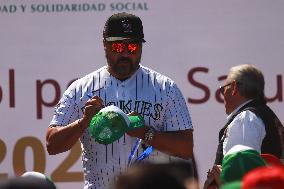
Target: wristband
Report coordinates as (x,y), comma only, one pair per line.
(149,135)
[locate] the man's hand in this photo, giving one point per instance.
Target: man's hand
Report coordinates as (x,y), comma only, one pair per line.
(92,106)
(213,176)
(174,143)
(139,132)
(61,139)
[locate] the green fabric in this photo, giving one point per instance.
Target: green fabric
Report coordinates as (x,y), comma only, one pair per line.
(236,165)
(232,185)
(107,127)
(136,122)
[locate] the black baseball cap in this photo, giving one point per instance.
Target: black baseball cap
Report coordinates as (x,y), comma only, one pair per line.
(123,26)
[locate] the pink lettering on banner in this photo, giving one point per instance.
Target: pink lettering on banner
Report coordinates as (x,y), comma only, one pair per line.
(203,70)
(12,87)
(40,102)
(279,93)
(11,93)
(39,96)
(199,85)
(1,94)
(56,91)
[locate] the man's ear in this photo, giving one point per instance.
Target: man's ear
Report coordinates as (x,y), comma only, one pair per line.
(104,43)
(235,89)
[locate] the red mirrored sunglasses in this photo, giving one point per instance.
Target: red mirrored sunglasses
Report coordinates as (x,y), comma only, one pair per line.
(119,47)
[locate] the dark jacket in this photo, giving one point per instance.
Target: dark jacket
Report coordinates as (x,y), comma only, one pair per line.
(271,143)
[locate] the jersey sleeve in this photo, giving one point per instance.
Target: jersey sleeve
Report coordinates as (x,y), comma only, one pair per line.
(66,111)
(177,116)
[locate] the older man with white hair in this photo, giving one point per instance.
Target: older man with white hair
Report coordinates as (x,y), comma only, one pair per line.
(250,121)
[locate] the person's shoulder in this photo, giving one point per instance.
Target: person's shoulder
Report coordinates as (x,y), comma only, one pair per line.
(248,113)
(250,116)
(148,70)
(156,75)
(90,77)
(94,74)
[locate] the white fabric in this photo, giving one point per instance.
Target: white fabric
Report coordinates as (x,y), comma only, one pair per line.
(34,174)
(238,148)
(246,129)
(152,95)
(237,109)
(113,108)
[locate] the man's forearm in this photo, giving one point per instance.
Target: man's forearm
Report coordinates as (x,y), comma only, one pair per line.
(175,143)
(62,138)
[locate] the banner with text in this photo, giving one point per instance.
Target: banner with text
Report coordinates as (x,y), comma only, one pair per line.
(45,45)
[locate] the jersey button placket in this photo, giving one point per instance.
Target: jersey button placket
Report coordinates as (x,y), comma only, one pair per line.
(123,90)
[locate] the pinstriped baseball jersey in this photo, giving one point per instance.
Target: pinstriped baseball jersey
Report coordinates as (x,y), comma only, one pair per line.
(154,96)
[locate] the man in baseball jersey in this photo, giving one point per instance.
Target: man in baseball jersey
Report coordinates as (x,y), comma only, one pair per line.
(132,87)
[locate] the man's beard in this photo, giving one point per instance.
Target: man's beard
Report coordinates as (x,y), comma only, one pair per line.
(123,67)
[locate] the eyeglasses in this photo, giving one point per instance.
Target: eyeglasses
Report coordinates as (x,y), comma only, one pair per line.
(119,47)
(222,88)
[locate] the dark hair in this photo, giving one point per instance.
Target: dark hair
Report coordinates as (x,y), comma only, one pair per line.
(155,176)
(27,183)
